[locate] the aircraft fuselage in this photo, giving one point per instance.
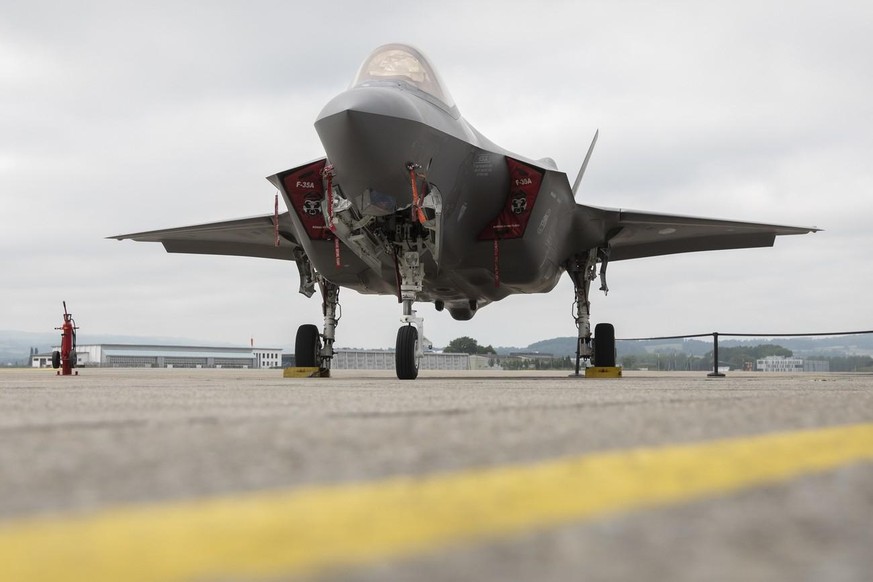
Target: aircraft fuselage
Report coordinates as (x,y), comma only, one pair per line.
(371,134)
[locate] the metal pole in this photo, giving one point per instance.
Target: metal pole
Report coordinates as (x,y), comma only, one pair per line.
(715,373)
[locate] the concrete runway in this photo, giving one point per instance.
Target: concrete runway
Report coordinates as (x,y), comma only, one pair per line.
(74,447)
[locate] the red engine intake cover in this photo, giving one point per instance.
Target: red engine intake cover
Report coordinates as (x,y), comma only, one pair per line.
(305,189)
(524,185)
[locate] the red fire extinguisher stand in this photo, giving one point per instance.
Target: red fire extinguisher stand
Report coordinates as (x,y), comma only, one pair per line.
(66,358)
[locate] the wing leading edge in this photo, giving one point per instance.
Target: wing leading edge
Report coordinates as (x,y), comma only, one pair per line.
(245,237)
(632,234)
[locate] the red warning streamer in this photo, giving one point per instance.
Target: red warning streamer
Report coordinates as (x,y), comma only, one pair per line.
(276,219)
(497,262)
(328,172)
(417,212)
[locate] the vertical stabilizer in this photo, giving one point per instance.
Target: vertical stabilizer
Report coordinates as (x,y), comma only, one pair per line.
(584,164)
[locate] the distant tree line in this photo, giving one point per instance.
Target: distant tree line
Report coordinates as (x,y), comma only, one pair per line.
(848,363)
(735,357)
(528,363)
(467,345)
(667,360)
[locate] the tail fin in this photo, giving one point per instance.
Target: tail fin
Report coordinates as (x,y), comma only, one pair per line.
(584,164)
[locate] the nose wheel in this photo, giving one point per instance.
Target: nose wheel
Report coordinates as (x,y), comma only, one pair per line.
(406,353)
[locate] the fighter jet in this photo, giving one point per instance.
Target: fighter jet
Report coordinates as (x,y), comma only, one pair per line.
(412,201)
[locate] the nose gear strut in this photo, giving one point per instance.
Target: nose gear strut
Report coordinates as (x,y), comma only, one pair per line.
(413,234)
(410,337)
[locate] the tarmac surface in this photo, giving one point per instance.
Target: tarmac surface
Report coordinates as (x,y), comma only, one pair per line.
(113,439)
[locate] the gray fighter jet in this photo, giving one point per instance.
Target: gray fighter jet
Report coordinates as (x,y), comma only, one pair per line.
(412,201)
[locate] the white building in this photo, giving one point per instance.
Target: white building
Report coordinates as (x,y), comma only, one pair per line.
(158,356)
(267,357)
(384,360)
(779,364)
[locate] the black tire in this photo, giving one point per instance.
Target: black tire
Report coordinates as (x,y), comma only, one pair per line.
(307,347)
(56,360)
(74,359)
(404,357)
(604,345)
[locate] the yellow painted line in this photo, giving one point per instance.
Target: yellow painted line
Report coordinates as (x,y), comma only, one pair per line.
(306,531)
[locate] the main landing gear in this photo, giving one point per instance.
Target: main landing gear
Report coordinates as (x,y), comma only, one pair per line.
(313,349)
(601,348)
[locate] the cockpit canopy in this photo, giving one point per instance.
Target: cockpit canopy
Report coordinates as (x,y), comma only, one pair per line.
(400,63)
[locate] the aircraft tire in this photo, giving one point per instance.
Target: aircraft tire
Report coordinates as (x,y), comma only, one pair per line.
(307,346)
(56,360)
(405,360)
(604,345)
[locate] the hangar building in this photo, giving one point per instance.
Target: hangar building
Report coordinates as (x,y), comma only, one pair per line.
(162,356)
(159,356)
(345,359)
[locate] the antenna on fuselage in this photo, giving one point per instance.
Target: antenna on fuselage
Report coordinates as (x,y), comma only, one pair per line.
(584,164)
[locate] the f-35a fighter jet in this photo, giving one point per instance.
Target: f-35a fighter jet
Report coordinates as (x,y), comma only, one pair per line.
(412,201)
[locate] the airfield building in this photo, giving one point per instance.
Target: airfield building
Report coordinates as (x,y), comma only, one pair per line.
(779,364)
(792,364)
(384,360)
(160,356)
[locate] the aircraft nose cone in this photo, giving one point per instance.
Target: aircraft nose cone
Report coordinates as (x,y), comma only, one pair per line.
(382,101)
(369,135)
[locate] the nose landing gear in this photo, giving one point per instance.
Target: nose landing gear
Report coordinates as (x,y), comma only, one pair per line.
(410,337)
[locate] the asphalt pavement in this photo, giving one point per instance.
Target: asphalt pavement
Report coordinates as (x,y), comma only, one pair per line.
(74,449)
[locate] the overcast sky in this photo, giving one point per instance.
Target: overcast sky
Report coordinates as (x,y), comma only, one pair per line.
(122,117)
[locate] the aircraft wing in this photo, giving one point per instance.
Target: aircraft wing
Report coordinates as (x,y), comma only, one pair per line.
(245,237)
(632,234)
